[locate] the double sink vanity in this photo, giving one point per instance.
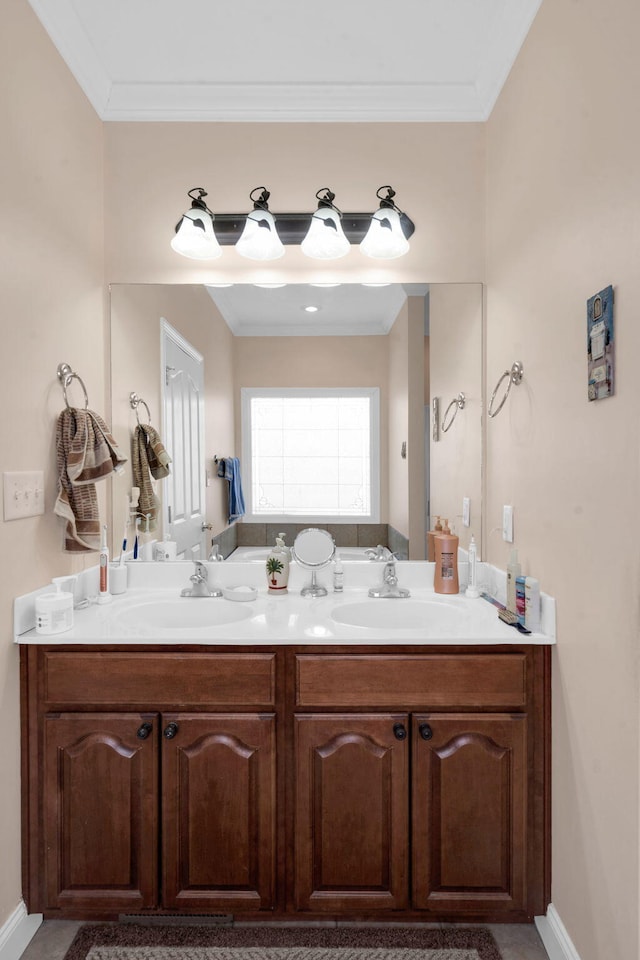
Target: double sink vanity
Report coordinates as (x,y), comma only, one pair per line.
(286,757)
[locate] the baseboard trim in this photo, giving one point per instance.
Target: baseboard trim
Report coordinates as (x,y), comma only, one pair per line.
(17,931)
(554,936)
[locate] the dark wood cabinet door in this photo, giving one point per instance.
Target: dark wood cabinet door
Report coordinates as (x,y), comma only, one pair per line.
(100,811)
(469,813)
(218,811)
(351,812)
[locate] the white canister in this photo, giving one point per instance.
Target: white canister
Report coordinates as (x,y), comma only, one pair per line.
(54,611)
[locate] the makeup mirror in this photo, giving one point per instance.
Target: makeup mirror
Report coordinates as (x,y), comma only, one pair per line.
(314,548)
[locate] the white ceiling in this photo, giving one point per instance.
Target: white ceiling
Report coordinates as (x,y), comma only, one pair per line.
(350,309)
(289,60)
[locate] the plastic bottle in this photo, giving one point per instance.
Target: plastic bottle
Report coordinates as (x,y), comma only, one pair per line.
(446,573)
(278,568)
(532,604)
(472,588)
(54,611)
(431,543)
(146,546)
(338,575)
(513,572)
(104,595)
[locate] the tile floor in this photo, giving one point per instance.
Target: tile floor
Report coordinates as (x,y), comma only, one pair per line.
(516,941)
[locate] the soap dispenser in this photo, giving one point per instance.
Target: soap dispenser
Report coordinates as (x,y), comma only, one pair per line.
(278,568)
(54,611)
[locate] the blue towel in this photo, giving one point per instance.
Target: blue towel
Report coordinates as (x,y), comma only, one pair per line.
(229,469)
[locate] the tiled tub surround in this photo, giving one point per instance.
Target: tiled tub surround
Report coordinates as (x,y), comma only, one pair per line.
(345,535)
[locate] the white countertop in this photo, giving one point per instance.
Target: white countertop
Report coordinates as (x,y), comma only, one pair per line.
(151,611)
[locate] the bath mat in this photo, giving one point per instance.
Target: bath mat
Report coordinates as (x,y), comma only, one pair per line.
(127,941)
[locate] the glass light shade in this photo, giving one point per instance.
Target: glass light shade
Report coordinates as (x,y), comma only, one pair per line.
(325,239)
(385,239)
(195,237)
(260,240)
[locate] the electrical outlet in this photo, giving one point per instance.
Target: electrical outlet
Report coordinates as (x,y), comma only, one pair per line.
(23,494)
(507,524)
(466,511)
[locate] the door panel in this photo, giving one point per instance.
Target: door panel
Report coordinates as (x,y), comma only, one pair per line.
(184,439)
(469,812)
(100,819)
(218,812)
(351,830)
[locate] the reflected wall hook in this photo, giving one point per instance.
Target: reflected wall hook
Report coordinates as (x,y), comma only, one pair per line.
(514,376)
(457,404)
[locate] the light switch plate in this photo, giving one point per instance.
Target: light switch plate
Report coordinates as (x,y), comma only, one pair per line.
(23,494)
(466,511)
(507,524)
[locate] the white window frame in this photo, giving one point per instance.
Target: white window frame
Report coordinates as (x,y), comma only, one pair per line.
(372,393)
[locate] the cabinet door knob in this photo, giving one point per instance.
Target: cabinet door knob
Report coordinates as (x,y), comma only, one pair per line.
(144,731)
(425,731)
(170,731)
(399,731)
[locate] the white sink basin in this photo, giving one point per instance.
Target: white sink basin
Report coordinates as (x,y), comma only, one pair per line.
(398,614)
(184,613)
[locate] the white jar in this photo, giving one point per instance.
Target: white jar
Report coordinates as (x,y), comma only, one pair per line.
(54,611)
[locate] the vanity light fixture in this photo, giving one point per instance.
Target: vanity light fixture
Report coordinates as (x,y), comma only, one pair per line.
(195,237)
(327,234)
(325,239)
(385,239)
(260,240)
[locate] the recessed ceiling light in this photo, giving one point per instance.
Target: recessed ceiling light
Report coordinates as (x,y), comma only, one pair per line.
(219,286)
(325,284)
(311,309)
(376,284)
(270,286)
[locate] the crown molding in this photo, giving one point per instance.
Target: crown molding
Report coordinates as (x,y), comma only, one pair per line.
(294,102)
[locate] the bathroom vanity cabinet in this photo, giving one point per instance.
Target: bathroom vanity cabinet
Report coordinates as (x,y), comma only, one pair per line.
(399,782)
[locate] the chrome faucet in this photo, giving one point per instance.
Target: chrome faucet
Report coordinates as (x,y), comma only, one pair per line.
(200,580)
(380,553)
(389,589)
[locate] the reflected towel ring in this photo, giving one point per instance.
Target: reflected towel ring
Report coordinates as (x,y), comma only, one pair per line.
(458,404)
(515,376)
(134,403)
(65,376)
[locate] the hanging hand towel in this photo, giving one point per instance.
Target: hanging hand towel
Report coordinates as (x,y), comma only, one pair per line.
(149,459)
(85,452)
(229,469)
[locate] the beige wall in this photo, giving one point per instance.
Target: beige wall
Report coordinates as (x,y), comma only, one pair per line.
(436,169)
(136,310)
(52,307)
(317,362)
(455,341)
(563,222)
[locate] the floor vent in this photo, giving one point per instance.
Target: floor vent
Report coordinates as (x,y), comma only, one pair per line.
(179,920)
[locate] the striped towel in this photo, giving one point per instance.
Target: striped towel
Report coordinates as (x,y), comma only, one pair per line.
(149,459)
(85,452)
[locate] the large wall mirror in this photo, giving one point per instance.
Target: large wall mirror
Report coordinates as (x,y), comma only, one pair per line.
(419,345)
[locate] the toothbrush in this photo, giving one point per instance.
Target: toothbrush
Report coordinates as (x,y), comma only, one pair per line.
(124,535)
(135,542)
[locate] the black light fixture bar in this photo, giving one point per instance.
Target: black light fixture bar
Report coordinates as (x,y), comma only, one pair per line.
(293,227)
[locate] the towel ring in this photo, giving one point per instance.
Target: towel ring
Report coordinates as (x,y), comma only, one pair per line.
(65,376)
(458,404)
(134,403)
(515,376)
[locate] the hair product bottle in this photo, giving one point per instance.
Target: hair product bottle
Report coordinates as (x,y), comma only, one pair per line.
(431,543)
(446,575)
(513,572)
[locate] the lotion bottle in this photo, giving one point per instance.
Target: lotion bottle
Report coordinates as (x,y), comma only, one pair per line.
(513,572)
(472,588)
(431,543)
(446,573)
(277,567)
(338,575)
